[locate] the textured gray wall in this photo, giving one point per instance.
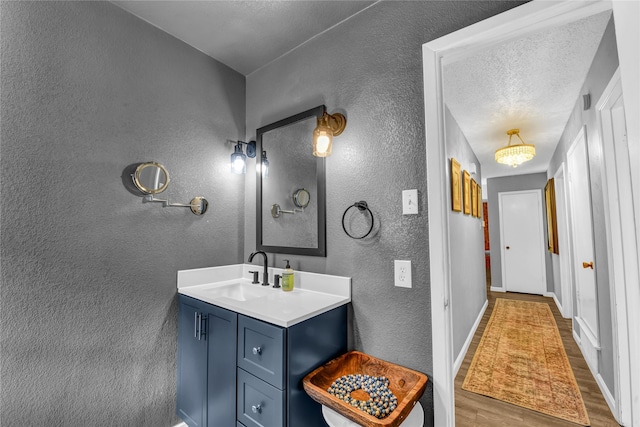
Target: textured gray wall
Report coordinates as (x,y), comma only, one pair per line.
(466,245)
(370,69)
(534,181)
(605,63)
(88,297)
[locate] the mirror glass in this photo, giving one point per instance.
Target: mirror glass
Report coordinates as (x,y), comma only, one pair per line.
(151,178)
(301,198)
(199,205)
(295,184)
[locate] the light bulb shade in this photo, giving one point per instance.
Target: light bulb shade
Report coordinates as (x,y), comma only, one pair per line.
(322,142)
(329,125)
(238,160)
(262,167)
(514,155)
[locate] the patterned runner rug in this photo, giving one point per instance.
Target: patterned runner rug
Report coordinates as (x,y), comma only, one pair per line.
(521,360)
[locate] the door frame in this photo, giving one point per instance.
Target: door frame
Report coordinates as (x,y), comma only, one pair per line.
(623,250)
(543,273)
(516,22)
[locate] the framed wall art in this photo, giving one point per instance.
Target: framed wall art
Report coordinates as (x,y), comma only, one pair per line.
(456,188)
(552,226)
(479,199)
(474,198)
(466,182)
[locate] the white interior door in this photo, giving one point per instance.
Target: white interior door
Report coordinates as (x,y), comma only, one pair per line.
(582,234)
(522,241)
(564,255)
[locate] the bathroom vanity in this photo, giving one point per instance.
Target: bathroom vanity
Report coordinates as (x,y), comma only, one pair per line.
(243,348)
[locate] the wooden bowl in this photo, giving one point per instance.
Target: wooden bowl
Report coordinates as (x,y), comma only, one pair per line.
(406,384)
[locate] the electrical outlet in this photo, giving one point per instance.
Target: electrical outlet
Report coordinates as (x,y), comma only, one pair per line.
(402,273)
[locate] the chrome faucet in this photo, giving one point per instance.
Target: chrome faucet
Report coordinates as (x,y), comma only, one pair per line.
(265,275)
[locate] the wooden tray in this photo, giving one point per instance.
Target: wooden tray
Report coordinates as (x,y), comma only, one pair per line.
(407,385)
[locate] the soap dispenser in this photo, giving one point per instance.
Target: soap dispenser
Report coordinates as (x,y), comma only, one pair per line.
(287,278)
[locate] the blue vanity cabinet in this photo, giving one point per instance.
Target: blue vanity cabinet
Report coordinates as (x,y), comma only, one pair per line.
(238,371)
(206,364)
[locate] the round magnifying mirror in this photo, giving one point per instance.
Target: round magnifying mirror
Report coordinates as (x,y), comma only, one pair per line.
(301,198)
(151,178)
(199,205)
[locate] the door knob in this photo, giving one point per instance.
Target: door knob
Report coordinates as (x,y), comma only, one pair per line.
(587,265)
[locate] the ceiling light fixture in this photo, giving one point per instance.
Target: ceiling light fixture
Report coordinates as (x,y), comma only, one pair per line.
(329,125)
(514,155)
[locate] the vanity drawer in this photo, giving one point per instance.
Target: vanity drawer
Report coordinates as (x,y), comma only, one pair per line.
(261,350)
(259,404)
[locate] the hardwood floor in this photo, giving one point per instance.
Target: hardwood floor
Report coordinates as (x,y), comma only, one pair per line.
(476,410)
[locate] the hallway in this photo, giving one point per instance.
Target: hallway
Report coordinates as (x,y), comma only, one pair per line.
(476,410)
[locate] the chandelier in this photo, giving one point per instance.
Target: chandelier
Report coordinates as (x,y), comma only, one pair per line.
(513,155)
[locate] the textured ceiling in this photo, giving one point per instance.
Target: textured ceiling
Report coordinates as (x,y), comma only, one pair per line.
(245,35)
(530,83)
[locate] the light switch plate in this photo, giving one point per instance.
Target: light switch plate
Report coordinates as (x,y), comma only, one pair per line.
(409,202)
(402,273)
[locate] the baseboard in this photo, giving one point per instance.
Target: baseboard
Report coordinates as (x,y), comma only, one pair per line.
(608,397)
(606,393)
(492,289)
(555,299)
(576,338)
(467,343)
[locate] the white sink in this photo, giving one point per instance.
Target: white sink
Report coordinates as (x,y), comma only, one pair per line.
(237,291)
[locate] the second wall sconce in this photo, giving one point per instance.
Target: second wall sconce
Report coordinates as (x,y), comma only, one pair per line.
(238,158)
(329,125)
(263,165)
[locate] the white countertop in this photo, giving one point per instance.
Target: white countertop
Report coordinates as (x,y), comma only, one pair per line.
(230,287)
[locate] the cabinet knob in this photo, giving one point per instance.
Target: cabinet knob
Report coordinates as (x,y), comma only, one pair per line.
(587,265)
(257,409)
(257,350)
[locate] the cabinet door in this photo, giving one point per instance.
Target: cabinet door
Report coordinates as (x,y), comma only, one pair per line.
(192,363)
(221,377)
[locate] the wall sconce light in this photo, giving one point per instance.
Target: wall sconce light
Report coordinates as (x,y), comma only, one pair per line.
(329,125)
(263,166)
(239,159)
